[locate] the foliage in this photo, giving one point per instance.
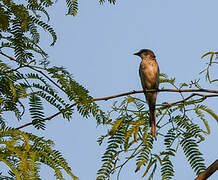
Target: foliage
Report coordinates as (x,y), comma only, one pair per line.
(72,7)
(110,1)
(129,135)
(28,83)
(212,61)
(24,152)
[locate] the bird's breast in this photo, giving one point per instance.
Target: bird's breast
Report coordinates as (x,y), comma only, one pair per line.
(149,73)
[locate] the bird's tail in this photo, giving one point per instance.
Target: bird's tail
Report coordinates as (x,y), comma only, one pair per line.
(152,121)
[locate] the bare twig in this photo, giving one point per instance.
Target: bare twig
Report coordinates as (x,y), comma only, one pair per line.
(192,95)
(153,90)
(208,172)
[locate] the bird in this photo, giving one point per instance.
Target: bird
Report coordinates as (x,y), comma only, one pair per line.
(149,75)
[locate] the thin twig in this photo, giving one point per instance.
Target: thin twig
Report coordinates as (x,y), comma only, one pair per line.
(45,119)
(182,101)
(153,90)
(39,71)
(9,57)
(192,95)
(130,157)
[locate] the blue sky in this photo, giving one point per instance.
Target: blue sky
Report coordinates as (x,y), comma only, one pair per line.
(97,46)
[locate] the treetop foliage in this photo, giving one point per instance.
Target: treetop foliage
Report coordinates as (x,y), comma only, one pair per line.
(28,83)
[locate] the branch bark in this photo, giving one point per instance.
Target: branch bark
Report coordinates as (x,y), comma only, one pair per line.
(153,90)
(208,172)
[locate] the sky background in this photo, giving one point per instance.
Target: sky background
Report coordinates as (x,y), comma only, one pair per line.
(97,47)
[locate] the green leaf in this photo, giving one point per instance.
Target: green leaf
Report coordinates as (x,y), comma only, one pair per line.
(72,7)
(207,126)
(130,99)
(209,111)
(211,59)
(148,167)
(158,158)
(182,85)
(115,126)
(206,54)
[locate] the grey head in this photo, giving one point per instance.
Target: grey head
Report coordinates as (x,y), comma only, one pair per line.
(143,53)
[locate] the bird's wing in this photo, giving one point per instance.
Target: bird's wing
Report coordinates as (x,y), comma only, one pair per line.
(142,77)
(156,85)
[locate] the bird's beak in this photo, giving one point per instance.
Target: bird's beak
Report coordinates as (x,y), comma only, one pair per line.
(137,54)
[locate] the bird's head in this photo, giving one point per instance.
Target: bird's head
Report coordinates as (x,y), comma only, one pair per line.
(143,53)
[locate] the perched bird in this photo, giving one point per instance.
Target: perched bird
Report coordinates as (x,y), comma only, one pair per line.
(149,74)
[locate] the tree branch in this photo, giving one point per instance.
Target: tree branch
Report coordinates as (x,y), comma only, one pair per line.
(192,95)
(136,92)
(45,119)
(208,172)
(9,57)
(153,90)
